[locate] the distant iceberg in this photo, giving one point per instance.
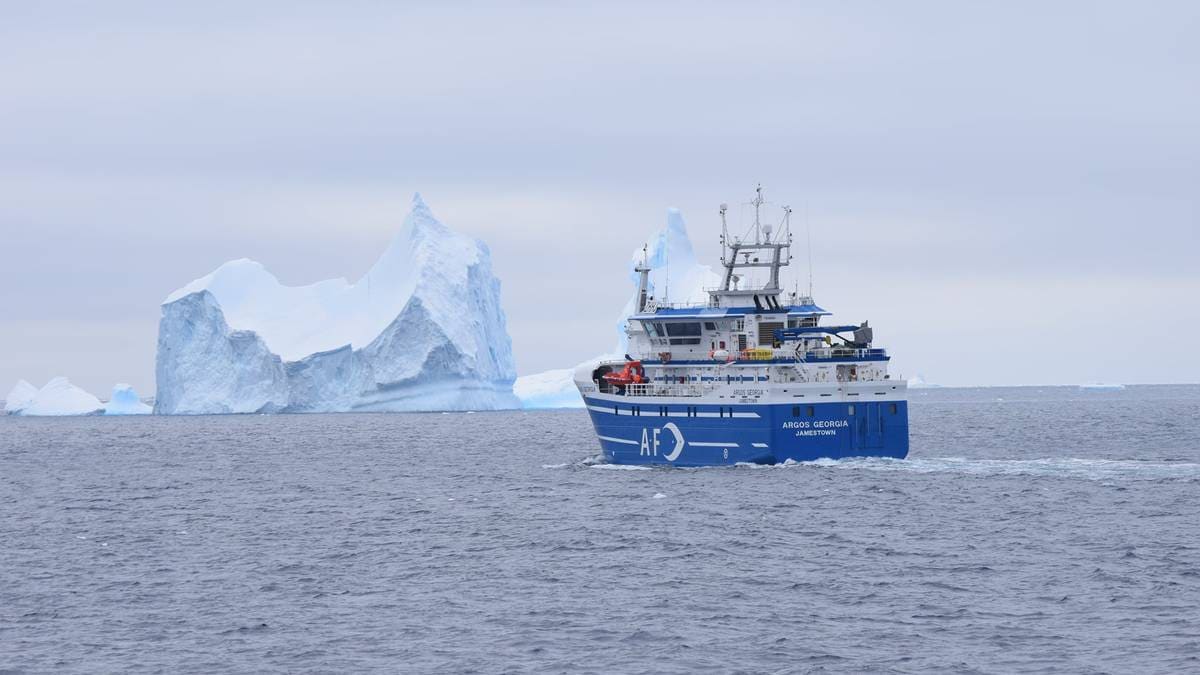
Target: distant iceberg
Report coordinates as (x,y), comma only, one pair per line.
(59,397)
(125,401)
(422,330)
(675,276)
(1100,386)
(919,382)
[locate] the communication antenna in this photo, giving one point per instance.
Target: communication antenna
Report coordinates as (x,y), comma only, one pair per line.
(758,202)
(667,267)
(808,237)
(724,232)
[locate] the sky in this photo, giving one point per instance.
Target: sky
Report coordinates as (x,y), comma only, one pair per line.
(1007,191)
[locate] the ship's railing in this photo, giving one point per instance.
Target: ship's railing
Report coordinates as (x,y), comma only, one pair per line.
(838,353)
(655,305)
(684,389)
(823,354)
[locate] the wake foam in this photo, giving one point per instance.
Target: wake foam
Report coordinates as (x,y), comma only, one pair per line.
(1060,467)
(1050,467)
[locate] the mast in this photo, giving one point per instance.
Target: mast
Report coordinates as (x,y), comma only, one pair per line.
(764,250)
(758,202)
(643,271)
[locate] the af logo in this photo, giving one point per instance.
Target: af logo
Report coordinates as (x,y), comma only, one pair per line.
(650,442)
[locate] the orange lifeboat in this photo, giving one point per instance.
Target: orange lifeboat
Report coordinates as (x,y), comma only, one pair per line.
(632,373)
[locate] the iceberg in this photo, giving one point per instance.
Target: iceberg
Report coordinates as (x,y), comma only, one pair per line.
(918,382)
(1102,386)
(547,390)
(21,396)
(58,397)
(675,276)
(125,401)
(422,330)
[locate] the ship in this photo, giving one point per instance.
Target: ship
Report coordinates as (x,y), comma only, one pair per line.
(752,375)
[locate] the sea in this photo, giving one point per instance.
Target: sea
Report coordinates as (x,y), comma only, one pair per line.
(1032,530)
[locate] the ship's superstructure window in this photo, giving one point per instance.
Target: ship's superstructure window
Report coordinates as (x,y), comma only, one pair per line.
(684,333)
(850,409)
(709,325)
(892,408)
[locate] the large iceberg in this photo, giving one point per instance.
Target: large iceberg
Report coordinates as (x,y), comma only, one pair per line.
(422,330)
(676,276)
(58,397)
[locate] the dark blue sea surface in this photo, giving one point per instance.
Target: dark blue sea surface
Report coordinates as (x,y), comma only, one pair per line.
(1032,530)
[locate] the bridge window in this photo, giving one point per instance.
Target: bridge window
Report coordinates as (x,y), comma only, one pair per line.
(708,325)
(684,333)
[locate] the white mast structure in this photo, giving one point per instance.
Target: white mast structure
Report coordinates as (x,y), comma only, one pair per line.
(764,251)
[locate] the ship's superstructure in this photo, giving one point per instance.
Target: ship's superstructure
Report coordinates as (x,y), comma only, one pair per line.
(750,375)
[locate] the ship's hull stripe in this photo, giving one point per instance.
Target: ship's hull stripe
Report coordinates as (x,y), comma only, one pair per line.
(608,410)
(612,439)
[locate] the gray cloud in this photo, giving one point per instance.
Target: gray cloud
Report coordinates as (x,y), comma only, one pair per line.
(1020,176)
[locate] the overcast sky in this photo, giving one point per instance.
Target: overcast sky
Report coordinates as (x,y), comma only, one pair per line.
(1010,191)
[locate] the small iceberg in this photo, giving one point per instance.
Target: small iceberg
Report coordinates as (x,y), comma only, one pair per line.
(919,382)
(1100,386)
(59,397)
(125,401)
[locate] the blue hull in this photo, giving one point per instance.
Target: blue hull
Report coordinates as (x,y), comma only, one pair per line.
(634,432)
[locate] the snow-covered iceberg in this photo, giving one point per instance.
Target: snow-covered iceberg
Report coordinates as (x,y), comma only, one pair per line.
(676,276)
(20,397)
(58,397)
(125,401)
(552,388)
(422,330)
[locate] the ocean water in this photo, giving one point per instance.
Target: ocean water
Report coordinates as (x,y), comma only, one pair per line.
(1032,530)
